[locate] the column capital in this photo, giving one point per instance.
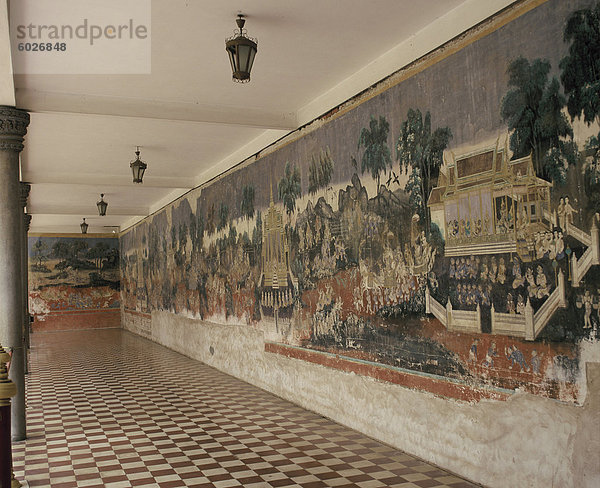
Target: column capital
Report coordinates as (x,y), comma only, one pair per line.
(27,221)
(13,127)
(25,189)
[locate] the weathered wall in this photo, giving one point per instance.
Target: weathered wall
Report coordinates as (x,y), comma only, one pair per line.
(525,441)
(73,281)
(413,227)
(415,264)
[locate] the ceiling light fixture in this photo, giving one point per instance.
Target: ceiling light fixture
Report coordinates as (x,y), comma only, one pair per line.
(102,205)
(138,167)
(84,226)
(241,50)
(113,228)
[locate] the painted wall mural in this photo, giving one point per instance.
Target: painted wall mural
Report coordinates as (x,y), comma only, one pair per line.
(71,276)
(446,225)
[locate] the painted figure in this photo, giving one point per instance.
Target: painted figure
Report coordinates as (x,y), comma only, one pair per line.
(531,286)
(519,279)
(493,270)
(510,304)
(515,356)
(587,303)
(543,289)
(490,355)
(484,272)
(473,352)
(560,211)
(568,212)
(536,360)
(501,277)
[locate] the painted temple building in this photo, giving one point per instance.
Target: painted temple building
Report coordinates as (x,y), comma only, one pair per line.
(277,282)
(487,204)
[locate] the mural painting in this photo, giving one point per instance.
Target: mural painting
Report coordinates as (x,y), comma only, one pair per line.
(71,275)
(447,225)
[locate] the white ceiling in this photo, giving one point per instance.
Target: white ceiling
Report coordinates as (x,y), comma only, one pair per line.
(191,121)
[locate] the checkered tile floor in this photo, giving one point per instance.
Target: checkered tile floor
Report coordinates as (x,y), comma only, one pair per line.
(108,409)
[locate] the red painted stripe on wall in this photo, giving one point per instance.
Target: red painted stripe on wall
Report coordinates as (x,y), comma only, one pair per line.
(84,319)
(438,387)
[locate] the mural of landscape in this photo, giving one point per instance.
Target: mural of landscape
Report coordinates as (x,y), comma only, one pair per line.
(72,274)
(446,226)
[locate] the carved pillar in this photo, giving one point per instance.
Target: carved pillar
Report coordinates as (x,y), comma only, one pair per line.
(25,188)
(529,322)
(561,286)
(574,272)
(595,242)
(449,314)
(7,391)
(13,127)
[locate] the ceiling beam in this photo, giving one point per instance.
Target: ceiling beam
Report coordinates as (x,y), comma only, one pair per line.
(103,180)
(34,209)
(38,101)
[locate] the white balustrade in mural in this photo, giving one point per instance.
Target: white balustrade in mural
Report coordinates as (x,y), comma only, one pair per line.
(591,256)
(454,320)
(529,324)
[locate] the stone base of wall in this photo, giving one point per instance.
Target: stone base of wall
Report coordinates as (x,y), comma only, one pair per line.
(524,441)
(88,319)
(137,322)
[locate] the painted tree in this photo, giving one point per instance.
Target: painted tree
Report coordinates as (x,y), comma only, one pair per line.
(211,219)
(289,188)
(197,231)
(98,254)
(61,250)
(80,247)
(223,216)
(320,171)
(111,260)
(418,148)
(414,188)
(173,238)
(183,233)
(40,252)
(376,157)
(247,205)
(153,249)
(257,238)
(580,76)
(580,69)
(591,173)
(532,108)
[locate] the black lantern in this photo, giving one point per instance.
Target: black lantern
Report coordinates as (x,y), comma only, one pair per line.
(84,227)
(241,50)
(138,167)
(102,205)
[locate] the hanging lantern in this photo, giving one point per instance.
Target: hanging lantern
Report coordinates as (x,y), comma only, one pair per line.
(241,50)
(102,205)
(138,167)
(84,226)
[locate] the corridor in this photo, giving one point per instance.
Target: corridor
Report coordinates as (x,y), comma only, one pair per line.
(108,409)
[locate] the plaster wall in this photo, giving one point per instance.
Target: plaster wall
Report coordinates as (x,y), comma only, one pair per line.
(526,441)
(474,347)
(86,319)
(73,281)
